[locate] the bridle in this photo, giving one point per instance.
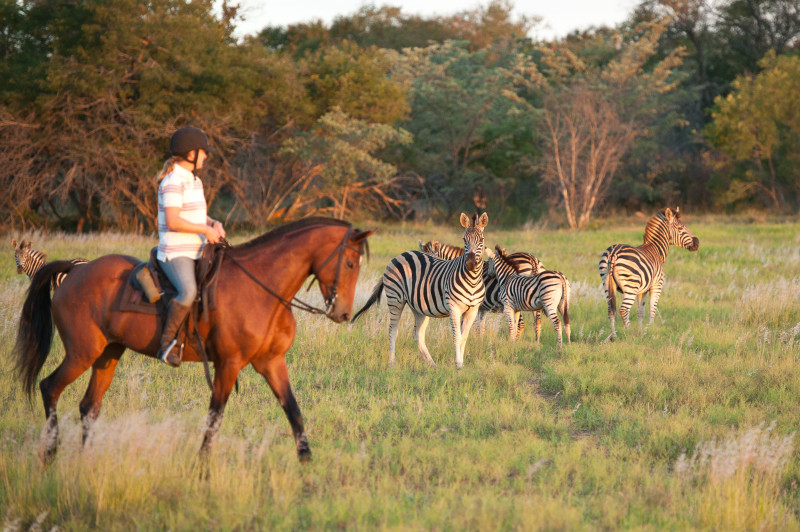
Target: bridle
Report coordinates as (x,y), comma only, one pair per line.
(330,300)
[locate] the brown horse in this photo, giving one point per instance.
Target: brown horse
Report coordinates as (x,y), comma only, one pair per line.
(252,322)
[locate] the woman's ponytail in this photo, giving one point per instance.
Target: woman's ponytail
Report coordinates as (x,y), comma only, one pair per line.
(169,164)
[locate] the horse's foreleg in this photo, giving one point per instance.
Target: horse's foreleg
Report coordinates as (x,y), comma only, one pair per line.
(277,376)
(51,387)
(102,375)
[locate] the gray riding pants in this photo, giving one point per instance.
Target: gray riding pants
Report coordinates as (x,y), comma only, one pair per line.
(180,271)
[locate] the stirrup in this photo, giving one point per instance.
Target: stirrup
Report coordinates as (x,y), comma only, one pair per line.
(168,356)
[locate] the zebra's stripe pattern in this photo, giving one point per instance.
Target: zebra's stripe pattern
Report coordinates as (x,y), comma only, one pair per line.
(524,264)
(635,271)
(30,261)
(433,287)
(548,291)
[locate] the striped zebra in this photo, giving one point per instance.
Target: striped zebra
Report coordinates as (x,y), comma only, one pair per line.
(524,264)
(435,288)
(31,260)
(634,271)
(548,290)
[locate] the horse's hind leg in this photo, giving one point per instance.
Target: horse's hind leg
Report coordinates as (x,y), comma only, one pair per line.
(277,376)
(102,375)
(224,378)
(51,387)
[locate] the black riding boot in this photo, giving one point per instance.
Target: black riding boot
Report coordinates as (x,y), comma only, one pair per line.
(170,351)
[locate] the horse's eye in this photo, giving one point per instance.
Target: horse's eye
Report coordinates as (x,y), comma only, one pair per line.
(349,264)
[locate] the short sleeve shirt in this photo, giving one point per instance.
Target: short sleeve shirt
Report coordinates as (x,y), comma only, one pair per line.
(180,188)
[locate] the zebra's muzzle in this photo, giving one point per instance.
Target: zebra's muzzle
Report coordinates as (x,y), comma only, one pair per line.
(472,261)
(695,244)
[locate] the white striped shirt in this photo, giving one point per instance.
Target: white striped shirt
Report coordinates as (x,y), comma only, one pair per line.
(180,188)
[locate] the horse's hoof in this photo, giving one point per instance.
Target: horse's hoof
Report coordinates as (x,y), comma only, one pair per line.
(304,455)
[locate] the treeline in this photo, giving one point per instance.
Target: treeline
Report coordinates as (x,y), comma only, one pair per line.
(392,115)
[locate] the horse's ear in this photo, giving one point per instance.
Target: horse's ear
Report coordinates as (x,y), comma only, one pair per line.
(360,236)
(464,221)
(484,219)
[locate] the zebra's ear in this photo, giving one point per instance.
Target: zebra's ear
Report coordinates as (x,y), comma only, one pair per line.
(464,221)
(484,219)
(14,242)
(489,253)
(668,214)
(25,245)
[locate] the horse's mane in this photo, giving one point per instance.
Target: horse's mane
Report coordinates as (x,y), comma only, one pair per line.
(290,228)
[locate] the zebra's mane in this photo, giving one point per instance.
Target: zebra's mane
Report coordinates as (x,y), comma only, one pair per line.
(658,221)
(290,228)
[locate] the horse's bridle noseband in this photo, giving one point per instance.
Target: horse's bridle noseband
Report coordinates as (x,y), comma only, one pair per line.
(330,300)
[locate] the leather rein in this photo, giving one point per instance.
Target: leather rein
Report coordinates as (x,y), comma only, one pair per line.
(330,300)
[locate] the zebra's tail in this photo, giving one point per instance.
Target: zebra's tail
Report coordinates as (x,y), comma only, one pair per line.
(374,298)
(607,273)
(35,332)
(564,305)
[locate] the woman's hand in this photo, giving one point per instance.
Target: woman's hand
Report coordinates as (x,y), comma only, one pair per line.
(218,226)
(212,235)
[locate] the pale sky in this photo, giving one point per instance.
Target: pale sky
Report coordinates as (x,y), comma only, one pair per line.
(559,17)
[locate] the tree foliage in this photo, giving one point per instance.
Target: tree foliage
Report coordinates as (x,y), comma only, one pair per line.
(757,127)
(594,111)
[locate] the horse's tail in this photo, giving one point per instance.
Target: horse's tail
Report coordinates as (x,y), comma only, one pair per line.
(374,298)
(35,332)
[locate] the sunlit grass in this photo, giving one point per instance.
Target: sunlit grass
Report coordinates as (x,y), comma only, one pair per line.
(629,434)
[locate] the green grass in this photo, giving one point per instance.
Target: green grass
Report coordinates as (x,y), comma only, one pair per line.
(688,424)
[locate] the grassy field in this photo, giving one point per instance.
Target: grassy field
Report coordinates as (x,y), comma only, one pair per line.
(689,424)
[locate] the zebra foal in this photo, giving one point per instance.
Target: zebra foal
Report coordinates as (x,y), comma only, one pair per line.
(523,263)
(435,288)
(548,290)
(29,261)
(635,271)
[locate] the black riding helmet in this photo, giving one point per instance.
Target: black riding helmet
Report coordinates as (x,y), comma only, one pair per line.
(187,139)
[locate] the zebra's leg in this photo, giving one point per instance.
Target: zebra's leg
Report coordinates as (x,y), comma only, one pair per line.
(481,322)
(469,319)
(520,325)
(395,311)
(537,322)
(628,299)
(508,310)
(655,295)
(517,324)
(455,325)
(420,325)
(552,313)
(640,309)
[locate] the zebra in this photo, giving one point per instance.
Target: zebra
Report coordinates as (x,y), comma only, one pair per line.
(633,271)
(434,287)
(547,290)
(524,264)
(31,261)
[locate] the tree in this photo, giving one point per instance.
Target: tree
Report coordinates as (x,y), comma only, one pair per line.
(345,151)
(757,127)
(468,119)
(592,114)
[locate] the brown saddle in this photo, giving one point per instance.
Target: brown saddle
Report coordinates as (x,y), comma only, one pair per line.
(149,290)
